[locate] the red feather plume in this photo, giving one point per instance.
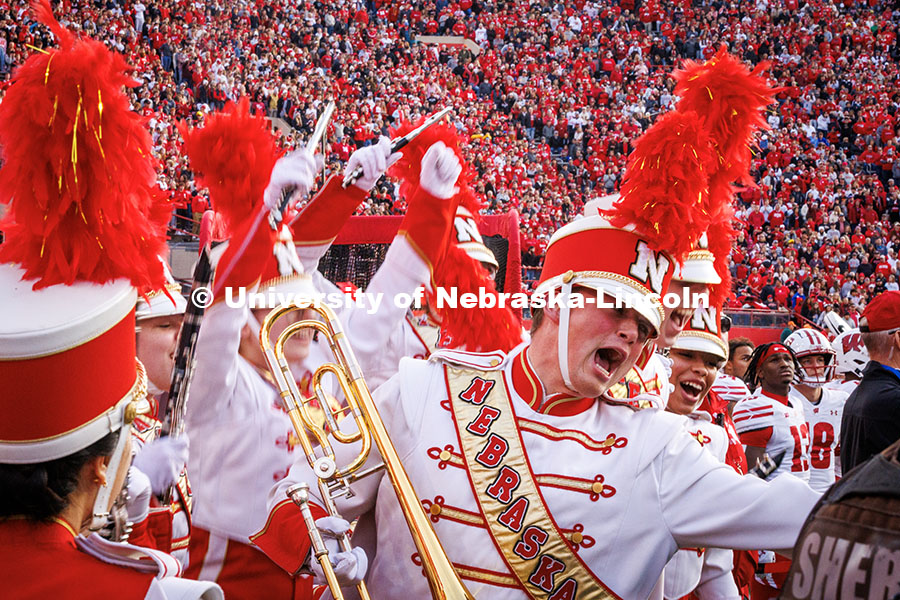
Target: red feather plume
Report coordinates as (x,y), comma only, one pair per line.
(475,329)
(664,194)
(233,155)
(720,236)
(78,174)
(729,99)
(408,168)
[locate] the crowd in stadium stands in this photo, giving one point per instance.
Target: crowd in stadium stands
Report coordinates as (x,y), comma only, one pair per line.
(549,106)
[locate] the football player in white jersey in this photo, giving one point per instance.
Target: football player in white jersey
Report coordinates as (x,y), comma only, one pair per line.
(823,407)
(771,422)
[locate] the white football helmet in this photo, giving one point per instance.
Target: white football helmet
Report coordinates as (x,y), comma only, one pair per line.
(851,353)
(808,342)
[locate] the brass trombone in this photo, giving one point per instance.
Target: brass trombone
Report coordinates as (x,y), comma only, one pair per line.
(335,481)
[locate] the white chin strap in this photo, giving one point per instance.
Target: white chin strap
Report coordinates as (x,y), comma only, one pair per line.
(562,335)
(100,514)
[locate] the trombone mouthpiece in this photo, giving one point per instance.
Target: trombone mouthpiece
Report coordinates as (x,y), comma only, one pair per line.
(299,492)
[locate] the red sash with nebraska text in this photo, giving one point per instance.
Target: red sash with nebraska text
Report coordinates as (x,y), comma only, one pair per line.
(518,519)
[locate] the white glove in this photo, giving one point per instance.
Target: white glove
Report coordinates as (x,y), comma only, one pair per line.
(440,170)
(667,365)
(298,170)
(374,161)
(138,505)
(349,567)
(163,460)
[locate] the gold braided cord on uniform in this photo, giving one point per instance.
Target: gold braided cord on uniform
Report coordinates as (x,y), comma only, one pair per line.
(563,434)
(709,337)
(700,254)
(172,287)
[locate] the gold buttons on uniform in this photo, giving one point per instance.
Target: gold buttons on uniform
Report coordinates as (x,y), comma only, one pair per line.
(577,537)
(494,362)
(445,455)
(597,487)
(435,509)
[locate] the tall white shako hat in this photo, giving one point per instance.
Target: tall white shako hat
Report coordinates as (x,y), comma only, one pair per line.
(164,302)
(468,237)
(699,266)
(83,230)
(703,333)
(590,252)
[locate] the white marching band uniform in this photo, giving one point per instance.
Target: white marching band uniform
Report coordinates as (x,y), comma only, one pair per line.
(658,484)
(705,571)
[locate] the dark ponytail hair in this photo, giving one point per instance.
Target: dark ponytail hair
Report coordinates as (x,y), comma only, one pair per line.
(41,491)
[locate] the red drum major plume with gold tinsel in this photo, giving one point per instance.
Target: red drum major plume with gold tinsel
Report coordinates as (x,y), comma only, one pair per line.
(730,100)
(680,177)
(77,170)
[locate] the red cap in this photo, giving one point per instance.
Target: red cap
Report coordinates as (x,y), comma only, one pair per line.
(882,313)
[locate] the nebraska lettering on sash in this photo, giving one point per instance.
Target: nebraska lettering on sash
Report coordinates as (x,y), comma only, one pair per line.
(477,391)
(534,549)
(482,422)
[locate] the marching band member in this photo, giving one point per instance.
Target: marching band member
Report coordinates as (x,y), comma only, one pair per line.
(822,407)
(697,355)
(554,466)
(242,439)
(82,234)
(235,411)
(159,315)
(526,467)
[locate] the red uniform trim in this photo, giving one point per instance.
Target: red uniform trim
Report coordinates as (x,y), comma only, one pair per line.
(245,573)
(284,538)
(527,385)
(324,216)
(427,226)
(758,438)
(247,254)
